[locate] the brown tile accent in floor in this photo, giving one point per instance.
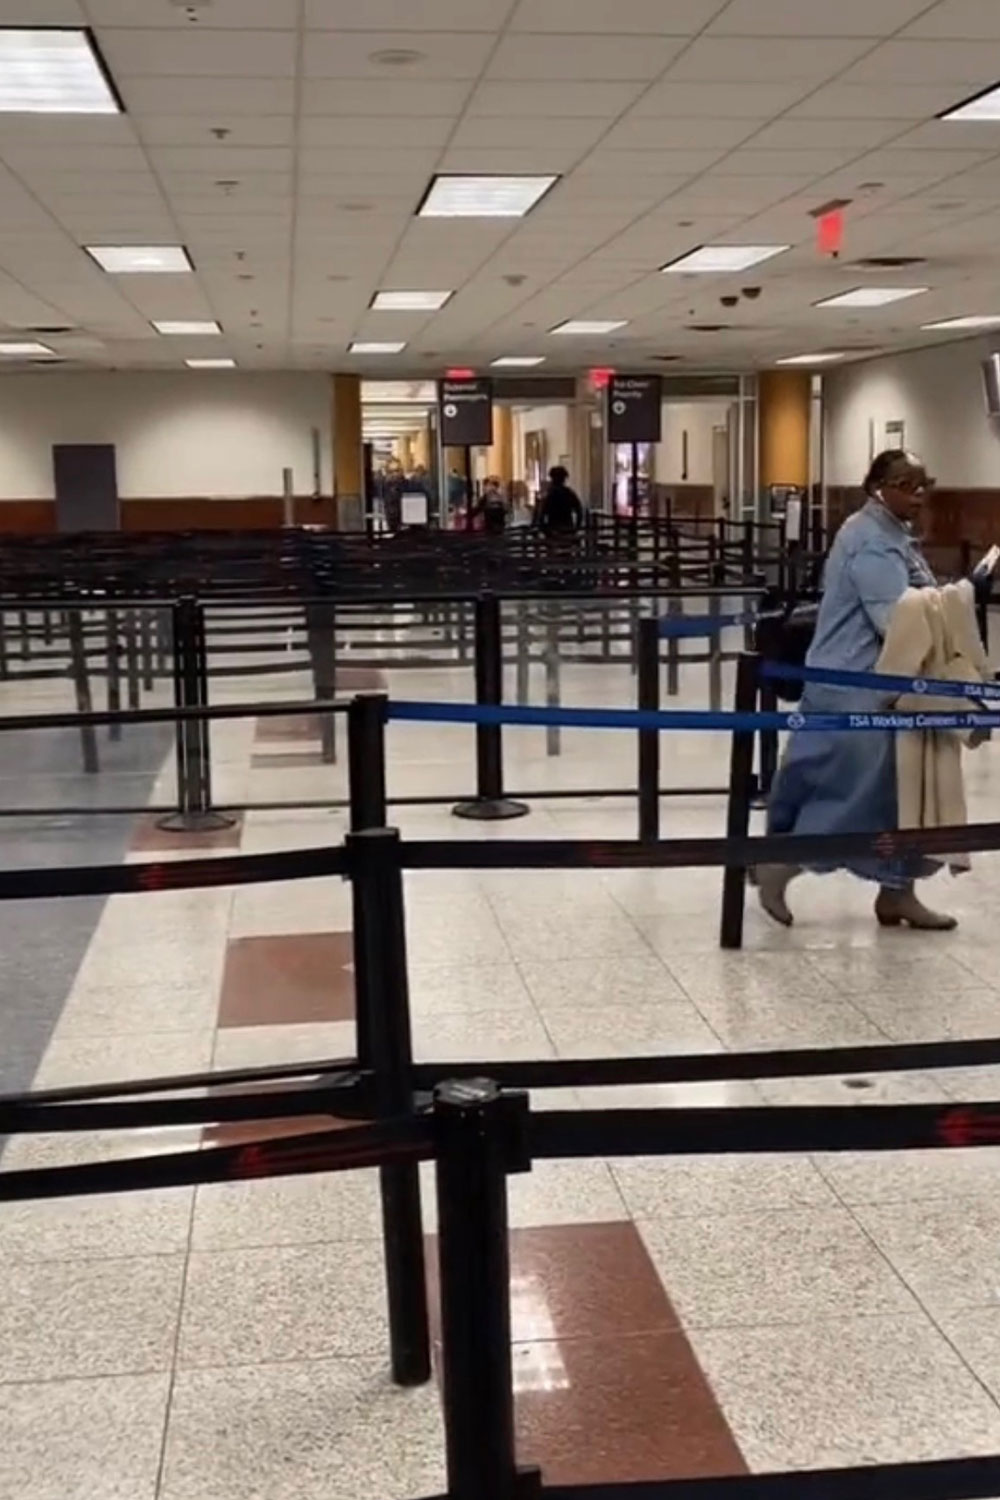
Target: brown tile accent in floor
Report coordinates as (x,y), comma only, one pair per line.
(148,838)
(291,980)
(289,760)
(278,727)
(607,1386)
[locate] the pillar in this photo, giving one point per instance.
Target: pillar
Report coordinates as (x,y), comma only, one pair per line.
(500,459)
(348,453)
(785,412)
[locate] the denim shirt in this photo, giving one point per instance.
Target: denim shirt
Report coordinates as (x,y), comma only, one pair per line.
(873,561)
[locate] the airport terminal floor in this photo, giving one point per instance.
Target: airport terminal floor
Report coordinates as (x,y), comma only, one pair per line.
(679,1317)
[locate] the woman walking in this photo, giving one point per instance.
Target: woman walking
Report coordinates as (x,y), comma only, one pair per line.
(842,782)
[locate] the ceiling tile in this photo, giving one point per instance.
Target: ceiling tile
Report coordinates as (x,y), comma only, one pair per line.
(195,130)
(199,53)
(872,101)
(375,132)
(965,64)
(400,15)
(350,55)
(221,161)
(559,99)
(216,97)
(846,134)
(616,17)
(358,161)
(585,58)
(674,99)
(401,101)
(639,133)
(731,59)
(543,158)
(783,18)
(640,166)
(527,131)
(277,15)
(970,20)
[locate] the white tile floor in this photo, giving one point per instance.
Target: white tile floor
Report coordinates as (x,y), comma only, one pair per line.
(229,1343)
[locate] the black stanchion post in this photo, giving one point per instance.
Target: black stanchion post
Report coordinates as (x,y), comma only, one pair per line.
(740,799)
(380,949)
(648,676)
(367,792)
(81,689)
(195,813)
(114,672)
(132,676)
(320,629)
(489,804)
(146,640)
(675,608)
(480,1135)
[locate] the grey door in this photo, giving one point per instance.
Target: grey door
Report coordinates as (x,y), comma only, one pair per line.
(86,484)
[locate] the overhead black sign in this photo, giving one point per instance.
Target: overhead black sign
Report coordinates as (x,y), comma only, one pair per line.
(466,413)
(634,409)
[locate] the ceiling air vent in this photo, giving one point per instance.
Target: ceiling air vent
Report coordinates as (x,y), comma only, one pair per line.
(888,262)
(50,329)
(709,327)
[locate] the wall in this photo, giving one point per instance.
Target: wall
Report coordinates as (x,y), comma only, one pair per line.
(698,419)
(690,490)
(192,448)
(938,395)
(554,421)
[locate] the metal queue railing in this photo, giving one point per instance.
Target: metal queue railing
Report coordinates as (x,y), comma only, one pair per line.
(473,1121)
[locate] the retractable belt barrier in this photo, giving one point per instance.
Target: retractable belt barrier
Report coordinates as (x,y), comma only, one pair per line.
(514,715)
(934,687)
(677,627)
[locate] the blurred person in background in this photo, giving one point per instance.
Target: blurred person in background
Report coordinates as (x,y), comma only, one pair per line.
(560,512)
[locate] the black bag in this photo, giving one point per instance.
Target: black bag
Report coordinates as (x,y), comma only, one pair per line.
(783,633)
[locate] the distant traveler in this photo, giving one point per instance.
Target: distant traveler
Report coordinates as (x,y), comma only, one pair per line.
(458,491)
(846,782)
(561,511)
(492,506)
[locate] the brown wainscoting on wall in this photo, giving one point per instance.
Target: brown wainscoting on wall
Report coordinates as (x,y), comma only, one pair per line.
(952,517)
(254,513)
(187,513)
(684,500)
(27,517)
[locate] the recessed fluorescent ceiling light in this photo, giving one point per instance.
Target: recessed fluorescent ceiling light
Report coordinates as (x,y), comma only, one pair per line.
(192,329)
(409,301)
(984,106)
(453,197)
(51,70)
(26,350)
(811,359)
(721,258)
(369,347)
(520,361)
(593,326)
(134,260)
(210,364)
(873,296)
(985,320)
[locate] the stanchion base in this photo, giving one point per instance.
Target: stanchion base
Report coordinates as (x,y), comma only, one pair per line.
(195,822)
(491,810)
